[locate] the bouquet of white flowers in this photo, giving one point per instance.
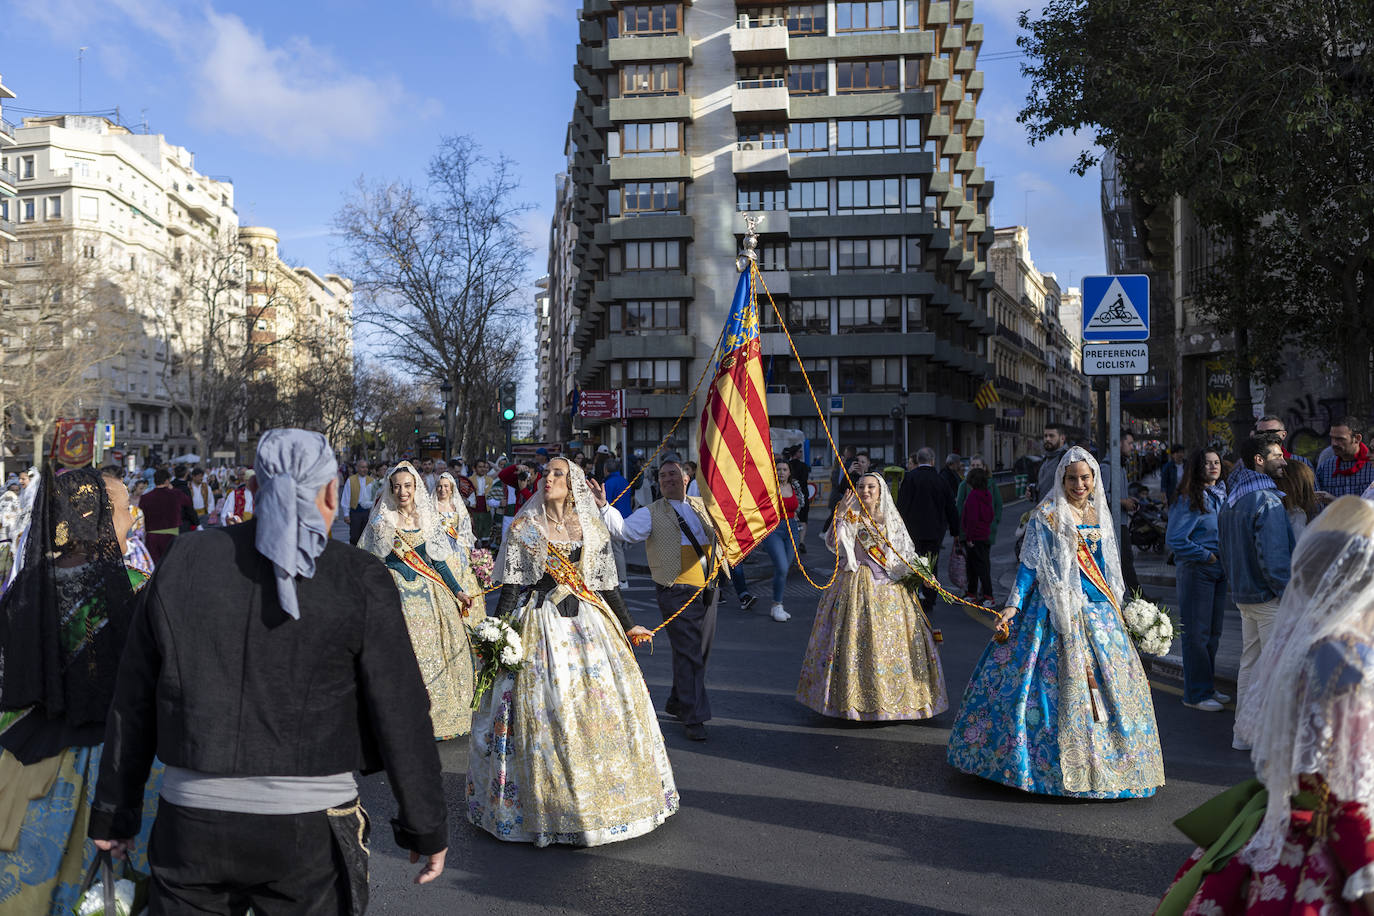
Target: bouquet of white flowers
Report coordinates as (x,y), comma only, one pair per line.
(498,649)
(1150,626)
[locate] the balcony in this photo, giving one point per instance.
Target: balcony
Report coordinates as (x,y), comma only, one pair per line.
(1007,333)
(748,160)
(7,227)
(1006,385)
(9,178)
(765,42)
(6,133)
(774,222)
(764,99)
(655,48)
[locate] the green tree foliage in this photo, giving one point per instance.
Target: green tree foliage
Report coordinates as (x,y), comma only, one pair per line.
(1261,114)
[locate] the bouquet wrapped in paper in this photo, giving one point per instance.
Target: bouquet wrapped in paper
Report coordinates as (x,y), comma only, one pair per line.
(498,649)
(1151,628)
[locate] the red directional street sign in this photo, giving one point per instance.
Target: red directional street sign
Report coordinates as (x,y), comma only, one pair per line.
(601,405)
(637,412)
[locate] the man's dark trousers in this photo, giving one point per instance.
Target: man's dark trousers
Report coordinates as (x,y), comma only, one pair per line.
(221,862)
(929,548)
(357,521)
(690,635)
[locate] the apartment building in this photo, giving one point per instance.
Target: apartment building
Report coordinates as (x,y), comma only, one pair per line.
(8,179)
(132,213)
(1038,357)
(850,129)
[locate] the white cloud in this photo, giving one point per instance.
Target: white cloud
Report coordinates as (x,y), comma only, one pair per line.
(523,18)
(291,96)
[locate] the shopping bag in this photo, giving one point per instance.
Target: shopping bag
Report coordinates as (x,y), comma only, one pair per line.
(103,894)
(958,566)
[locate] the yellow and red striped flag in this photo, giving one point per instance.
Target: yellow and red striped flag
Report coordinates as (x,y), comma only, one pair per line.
(986,396)
(741,484)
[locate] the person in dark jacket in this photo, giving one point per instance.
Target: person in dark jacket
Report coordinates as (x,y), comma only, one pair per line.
(263,690)
(953,472)
(976,520)
(926,504)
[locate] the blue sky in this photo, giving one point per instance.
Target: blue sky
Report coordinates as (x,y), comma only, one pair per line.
(295,100)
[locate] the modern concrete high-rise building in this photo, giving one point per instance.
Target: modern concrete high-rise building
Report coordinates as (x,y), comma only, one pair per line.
(850,129)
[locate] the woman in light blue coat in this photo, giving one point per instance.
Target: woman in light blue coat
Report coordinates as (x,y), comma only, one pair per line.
(1192,536)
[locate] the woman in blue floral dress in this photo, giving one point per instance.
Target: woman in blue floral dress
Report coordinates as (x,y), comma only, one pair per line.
(1059,703)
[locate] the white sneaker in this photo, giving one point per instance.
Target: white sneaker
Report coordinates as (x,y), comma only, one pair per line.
(1207,705)
(1221,697)
(1239,745)
(624,585)
(779,614)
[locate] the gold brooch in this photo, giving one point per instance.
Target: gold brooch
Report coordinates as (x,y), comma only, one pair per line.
(62,535)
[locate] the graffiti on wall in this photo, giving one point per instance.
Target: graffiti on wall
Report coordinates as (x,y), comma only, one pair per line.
(1221,403)
(1308,420)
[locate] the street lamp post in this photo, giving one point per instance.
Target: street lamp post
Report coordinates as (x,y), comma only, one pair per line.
(419,418)
(447,390)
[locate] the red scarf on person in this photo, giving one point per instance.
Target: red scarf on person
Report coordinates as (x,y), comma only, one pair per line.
(1361,458)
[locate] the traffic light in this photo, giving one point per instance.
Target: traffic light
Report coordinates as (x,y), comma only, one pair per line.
(507,402)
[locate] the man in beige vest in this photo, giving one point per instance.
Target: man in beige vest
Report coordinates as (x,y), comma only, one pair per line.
(357,496)
(682,545)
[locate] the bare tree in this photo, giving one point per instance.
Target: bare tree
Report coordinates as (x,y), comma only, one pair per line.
(63,318)
(438,270)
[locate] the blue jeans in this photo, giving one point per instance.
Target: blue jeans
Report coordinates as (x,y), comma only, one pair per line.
(778,546)
(1201,599)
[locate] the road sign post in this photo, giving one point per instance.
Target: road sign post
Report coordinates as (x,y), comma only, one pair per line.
(1116,318)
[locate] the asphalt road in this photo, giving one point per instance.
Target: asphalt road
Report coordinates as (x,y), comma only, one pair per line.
(784,811)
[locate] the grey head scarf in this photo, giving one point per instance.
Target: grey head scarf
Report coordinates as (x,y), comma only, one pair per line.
(291,466)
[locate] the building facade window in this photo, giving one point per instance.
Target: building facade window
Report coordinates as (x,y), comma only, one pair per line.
(654,138)
(754,196)
(659,255)
(811,255)
(650,79)
(642,198)
(54,207)
(772,256)
(644,20)
(866,16)
(867,135)
(808,79)
(854,76)
(809,197)
(865,375)
(27,209)
(806,19)
(868,195)
(753,137)
(783,373)
(808,138)
(862,316)
(869,255)
(26,167)
(660,376)
(647,317)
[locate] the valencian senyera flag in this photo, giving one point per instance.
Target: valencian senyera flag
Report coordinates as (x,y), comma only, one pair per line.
(737,470)
(986,396)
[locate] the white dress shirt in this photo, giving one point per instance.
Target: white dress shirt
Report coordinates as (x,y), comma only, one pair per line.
(636,528)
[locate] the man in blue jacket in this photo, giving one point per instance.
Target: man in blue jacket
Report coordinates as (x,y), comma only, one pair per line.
(1256,549)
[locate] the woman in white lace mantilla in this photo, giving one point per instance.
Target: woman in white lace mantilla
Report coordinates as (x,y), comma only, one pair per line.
(408,535)
(872,654)
(567,749)
(1300,838)
(1062,706)
(457,524)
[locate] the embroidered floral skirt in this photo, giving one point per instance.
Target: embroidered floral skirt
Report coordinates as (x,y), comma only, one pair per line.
(1009,729)
(568,749)
(1314,875)
(440,640)
(871,656)
(43,873)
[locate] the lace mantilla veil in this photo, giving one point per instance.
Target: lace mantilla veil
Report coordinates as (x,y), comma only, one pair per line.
(525,550)
(1051,546)
(898,565)
(1311,709)
(464,523)
(380,535)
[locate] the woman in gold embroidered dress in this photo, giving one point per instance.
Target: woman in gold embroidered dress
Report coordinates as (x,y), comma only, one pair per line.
(872,655)
(407,534)
(567,749)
